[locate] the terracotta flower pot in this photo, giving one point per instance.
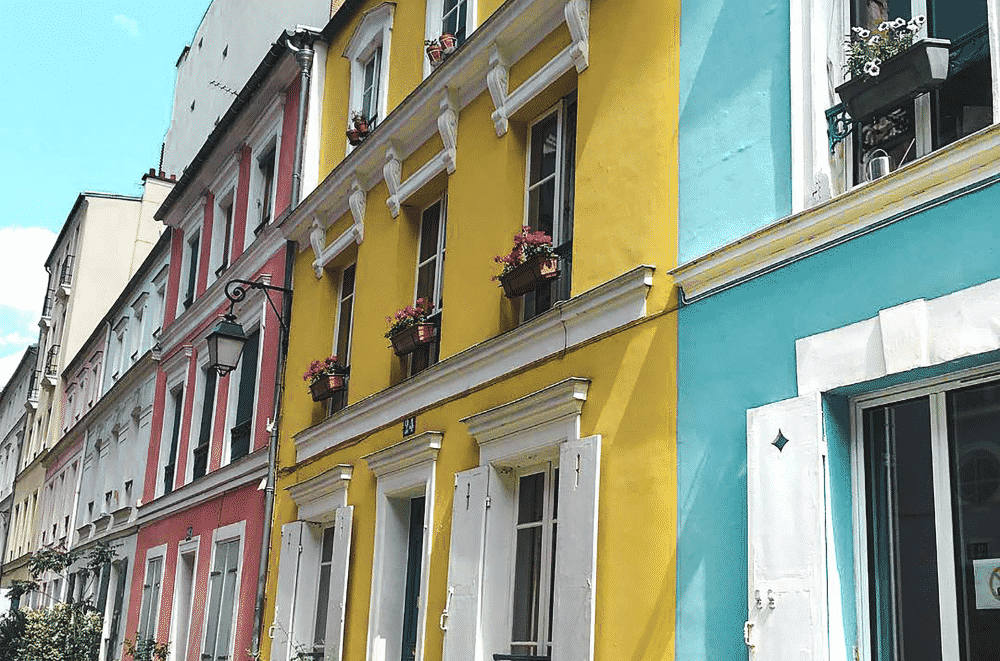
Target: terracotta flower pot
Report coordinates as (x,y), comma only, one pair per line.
(920,68)
(448,43)
(361,125)
(326,387)
(354,137)
(410,339)
(536,271)
(435,54)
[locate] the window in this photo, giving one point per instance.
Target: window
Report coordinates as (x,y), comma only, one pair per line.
(430,269)
(192,271)
(206,422)
(549,197)
(932,502)
(241,434)
(960,107)
(226,233)
(175,416)
(187,561)
(368,53)
(457,17)
(345,322)
(454,19)
(265,190)
(502,582)
(149,610)
(222,583)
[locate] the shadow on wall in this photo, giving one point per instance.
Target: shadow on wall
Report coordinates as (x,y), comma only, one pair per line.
(735,126)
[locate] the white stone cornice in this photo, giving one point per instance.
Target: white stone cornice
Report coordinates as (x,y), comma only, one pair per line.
(411,452)
(319,497)
(568,324)
(957,169)
(578,21)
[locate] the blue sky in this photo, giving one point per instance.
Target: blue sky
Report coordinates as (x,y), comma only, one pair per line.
(87,89)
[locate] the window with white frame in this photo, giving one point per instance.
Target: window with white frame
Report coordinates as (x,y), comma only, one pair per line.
(171,440)
(345,325)
(180,622)
(965,103)
(265,185)
(202,429)
(368,53)
(550,188)
(223,238)
(403,520)
(223,581)
(509,572)
(245,388)
(430,272)
(150,607)
(456,17)
(191,263)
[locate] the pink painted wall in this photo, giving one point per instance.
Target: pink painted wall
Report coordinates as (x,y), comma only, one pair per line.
(155,434)
(174,276)
(286,160)
(206,245)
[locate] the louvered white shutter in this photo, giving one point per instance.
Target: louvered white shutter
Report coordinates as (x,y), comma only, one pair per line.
(787,531)
(576,550)
(339,569)
(284,603)
(463,610)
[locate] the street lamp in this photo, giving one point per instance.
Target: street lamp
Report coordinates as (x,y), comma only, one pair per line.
(225,342)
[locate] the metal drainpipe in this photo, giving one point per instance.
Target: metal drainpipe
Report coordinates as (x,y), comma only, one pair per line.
(304,58)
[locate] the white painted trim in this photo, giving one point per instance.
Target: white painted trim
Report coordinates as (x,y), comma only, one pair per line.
(221,535)
(176,373)
(159,551)
(403,471)
(543,418)
(569,323)
(373,30)
(312,137)
(319,497)
(953,170)
(918,333)
(184,547)
(433,17)
(355,234)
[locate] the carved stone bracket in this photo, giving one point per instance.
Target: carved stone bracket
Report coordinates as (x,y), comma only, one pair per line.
(448,127)
(578,21)
(317,239)
(357,200)
(392,171)
(497,79)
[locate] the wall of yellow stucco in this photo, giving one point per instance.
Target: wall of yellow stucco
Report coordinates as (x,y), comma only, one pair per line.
(625,215)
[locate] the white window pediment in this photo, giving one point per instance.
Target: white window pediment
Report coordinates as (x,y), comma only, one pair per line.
(374,31)
(319,497)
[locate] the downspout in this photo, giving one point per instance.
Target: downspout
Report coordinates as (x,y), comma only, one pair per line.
(304,57)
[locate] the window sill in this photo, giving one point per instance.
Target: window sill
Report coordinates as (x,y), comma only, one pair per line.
(920,184)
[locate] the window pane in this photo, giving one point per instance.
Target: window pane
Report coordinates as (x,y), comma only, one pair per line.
(544,136)
(973,420)
(425,281)
(530,500)
(541,206)
(527,578)
(953,19)
(411,594)
(903,566)
(429,231)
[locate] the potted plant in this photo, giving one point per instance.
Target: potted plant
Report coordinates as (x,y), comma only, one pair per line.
(362,127)
(435,52)
(887,68)
(325,377)
(448,43)
(409,328)
(531,263)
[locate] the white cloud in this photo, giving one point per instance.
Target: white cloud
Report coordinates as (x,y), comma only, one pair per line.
(22,268)
(7,366)
(127,23)
(17,338)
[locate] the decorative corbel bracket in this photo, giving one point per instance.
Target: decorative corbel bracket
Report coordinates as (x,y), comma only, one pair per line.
(317,238)
(448,127)
(578,21)
(393,172)
(358,201)
(497,79)
(324,254)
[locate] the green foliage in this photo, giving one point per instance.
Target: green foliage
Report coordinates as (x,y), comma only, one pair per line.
(11,633)
(64,632)
(868,49)
(145,649)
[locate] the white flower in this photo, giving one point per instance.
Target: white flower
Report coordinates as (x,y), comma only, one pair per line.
(874,40)
(884,25)
(898,23)
(862,32)
(913,27)
(872,68)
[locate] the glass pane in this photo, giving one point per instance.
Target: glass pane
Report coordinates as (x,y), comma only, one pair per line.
(552,584)
(952,19)
(344,332)
(541,206)
(326,555)
(544,137)
(425,281)
(429,231)
(411,595)
(973,421)
(527,576)
(530,499)
(322,603)
(903,571)
(347,288)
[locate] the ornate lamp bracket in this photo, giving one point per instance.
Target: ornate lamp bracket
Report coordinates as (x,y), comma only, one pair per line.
(838,125)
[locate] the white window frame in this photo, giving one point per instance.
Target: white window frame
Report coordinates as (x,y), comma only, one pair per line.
(221,249)
(265,136)
(818,30)
(433,24)
(191,258)
(252,316)
(140,308)
(233,531)
(176,372)
(184,547)
(373,31)
(439,252)
(194,429)
(153,553)
(402,472)
(345,360)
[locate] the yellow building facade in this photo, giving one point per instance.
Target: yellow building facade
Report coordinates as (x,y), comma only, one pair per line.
(507,491)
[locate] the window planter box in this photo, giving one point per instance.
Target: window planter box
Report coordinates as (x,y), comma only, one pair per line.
(529,276)
(410,339)
(327,387)
(918,69)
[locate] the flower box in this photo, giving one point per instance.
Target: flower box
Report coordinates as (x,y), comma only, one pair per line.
(412,338)
(326,386)
(919,69)
(527,277)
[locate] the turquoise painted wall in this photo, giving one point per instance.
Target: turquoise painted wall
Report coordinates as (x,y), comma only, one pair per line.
(734,133)
(737,351)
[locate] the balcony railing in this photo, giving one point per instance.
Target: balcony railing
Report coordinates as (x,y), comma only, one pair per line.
(33,384)
(66,274)
(52,361)
(49,301)
(200,460)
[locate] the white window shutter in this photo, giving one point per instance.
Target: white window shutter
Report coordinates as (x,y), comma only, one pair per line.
(462,617)
(292,535)
(787,533)
(339,569)
(576,550)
